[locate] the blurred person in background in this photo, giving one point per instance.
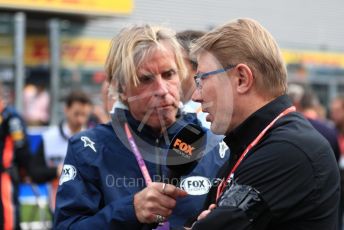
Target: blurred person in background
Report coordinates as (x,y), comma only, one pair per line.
(14,157)
(101,112)
(307,103)
(105,183)
(46,163)
(186,39)
(337,116)
(282,174)
(36,101)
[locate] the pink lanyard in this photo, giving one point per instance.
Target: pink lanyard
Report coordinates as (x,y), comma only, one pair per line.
(138,155)
(230,177)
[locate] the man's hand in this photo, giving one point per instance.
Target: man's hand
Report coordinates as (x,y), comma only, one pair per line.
(206,212)
(156,199)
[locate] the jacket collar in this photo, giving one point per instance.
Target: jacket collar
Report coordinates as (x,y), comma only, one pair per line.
(238,139)
(145,132)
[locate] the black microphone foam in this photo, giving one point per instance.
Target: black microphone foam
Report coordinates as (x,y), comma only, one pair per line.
(185,150)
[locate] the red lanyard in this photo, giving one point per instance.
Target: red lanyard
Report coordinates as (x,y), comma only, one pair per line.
(230,177)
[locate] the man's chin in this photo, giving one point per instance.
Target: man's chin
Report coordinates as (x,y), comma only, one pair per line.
(161,122)
(218,129)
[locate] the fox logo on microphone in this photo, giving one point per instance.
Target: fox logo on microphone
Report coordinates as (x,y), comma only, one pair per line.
(187,149)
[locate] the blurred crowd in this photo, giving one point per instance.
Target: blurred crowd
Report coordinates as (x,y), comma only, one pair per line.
(42,164)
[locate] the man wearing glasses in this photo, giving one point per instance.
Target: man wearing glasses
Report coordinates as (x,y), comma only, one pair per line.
(281,173)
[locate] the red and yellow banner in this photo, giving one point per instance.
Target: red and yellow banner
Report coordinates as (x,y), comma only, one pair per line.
(6,48)
(87,7)
(90,52)
(314,58)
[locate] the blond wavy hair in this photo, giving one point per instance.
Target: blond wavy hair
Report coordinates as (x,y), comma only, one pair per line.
(130,48)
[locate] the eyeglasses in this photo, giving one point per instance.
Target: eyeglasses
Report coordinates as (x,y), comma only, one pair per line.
(200,76)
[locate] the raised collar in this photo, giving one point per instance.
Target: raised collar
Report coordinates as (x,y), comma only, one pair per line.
(146,132)
(238,139)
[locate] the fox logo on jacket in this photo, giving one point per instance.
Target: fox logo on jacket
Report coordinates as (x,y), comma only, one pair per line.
(196,185)
(68,173)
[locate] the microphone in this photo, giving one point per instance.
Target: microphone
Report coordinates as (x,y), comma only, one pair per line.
(185,150)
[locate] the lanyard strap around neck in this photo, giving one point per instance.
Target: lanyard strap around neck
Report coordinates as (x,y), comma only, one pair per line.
(138,155)
(224,183)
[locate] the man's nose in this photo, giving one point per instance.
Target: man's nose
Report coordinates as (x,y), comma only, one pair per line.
(81,120)
(160,87)
(197,96)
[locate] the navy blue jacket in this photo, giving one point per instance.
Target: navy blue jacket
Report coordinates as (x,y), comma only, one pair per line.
(101,176)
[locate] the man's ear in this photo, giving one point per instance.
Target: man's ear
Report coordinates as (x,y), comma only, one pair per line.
(245,78)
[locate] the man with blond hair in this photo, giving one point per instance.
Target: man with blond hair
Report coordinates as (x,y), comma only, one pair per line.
(282,174)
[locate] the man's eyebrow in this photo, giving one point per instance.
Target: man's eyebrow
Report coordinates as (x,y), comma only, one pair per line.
(145,74)
(168,70)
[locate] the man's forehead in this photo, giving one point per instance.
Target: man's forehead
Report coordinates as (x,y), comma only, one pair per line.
(207,60)
(165,63)
(77,105)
